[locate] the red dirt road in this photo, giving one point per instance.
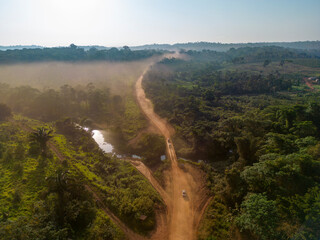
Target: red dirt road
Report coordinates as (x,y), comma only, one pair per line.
(308,84)
(183,213)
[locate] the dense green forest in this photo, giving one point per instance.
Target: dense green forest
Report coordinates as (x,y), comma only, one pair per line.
(74,53)
(258,133)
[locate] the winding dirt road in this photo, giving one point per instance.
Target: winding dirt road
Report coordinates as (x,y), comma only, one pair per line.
(181,220)
(183,213)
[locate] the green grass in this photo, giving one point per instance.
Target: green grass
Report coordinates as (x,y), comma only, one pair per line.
(288,68)
(105,227)
(29,183)
(317,87)
(189,162)
(308,62)
(216,222)
(301,88)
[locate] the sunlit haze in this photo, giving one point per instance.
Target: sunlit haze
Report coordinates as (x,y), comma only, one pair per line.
(125,22)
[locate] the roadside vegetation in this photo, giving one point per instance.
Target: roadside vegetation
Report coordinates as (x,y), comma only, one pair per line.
(258,132)
(151,146)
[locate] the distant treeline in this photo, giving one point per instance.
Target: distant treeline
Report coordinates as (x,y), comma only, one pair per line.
(16,47)
(222,47)
(74,53)
(52,105)
(251,54)
(198,46)
(20,47)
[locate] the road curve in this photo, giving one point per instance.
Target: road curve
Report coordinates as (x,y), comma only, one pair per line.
(183,212)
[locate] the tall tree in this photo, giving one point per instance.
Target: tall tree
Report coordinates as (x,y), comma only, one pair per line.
(58,184)
(41,136)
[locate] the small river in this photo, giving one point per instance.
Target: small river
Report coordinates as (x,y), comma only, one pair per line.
(98,136)
(102,138)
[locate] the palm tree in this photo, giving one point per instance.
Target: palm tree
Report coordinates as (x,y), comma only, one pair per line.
(59,181)
(41,136)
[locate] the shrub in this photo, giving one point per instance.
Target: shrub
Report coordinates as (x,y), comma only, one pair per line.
(5,112)
(259,216)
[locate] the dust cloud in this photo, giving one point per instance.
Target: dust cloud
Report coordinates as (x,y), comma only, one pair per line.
(118,77)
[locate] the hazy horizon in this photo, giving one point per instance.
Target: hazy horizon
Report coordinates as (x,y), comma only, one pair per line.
(117,23)
(160,43)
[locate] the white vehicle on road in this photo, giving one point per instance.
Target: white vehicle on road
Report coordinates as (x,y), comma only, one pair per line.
(184,193)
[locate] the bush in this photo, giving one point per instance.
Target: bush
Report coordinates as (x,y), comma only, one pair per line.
(18,168)
(16,197)
(34,149)
(151,147)
(5,112)
(102,228)
(8,155)
(1,149)
(19,151)
(259,216)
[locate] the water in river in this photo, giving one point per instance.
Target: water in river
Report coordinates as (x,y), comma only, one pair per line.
(98,136)
(102,138)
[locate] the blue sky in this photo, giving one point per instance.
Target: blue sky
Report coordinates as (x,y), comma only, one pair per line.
(136,22)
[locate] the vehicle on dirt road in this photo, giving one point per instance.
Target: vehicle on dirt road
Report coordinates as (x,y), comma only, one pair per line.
(184,193)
